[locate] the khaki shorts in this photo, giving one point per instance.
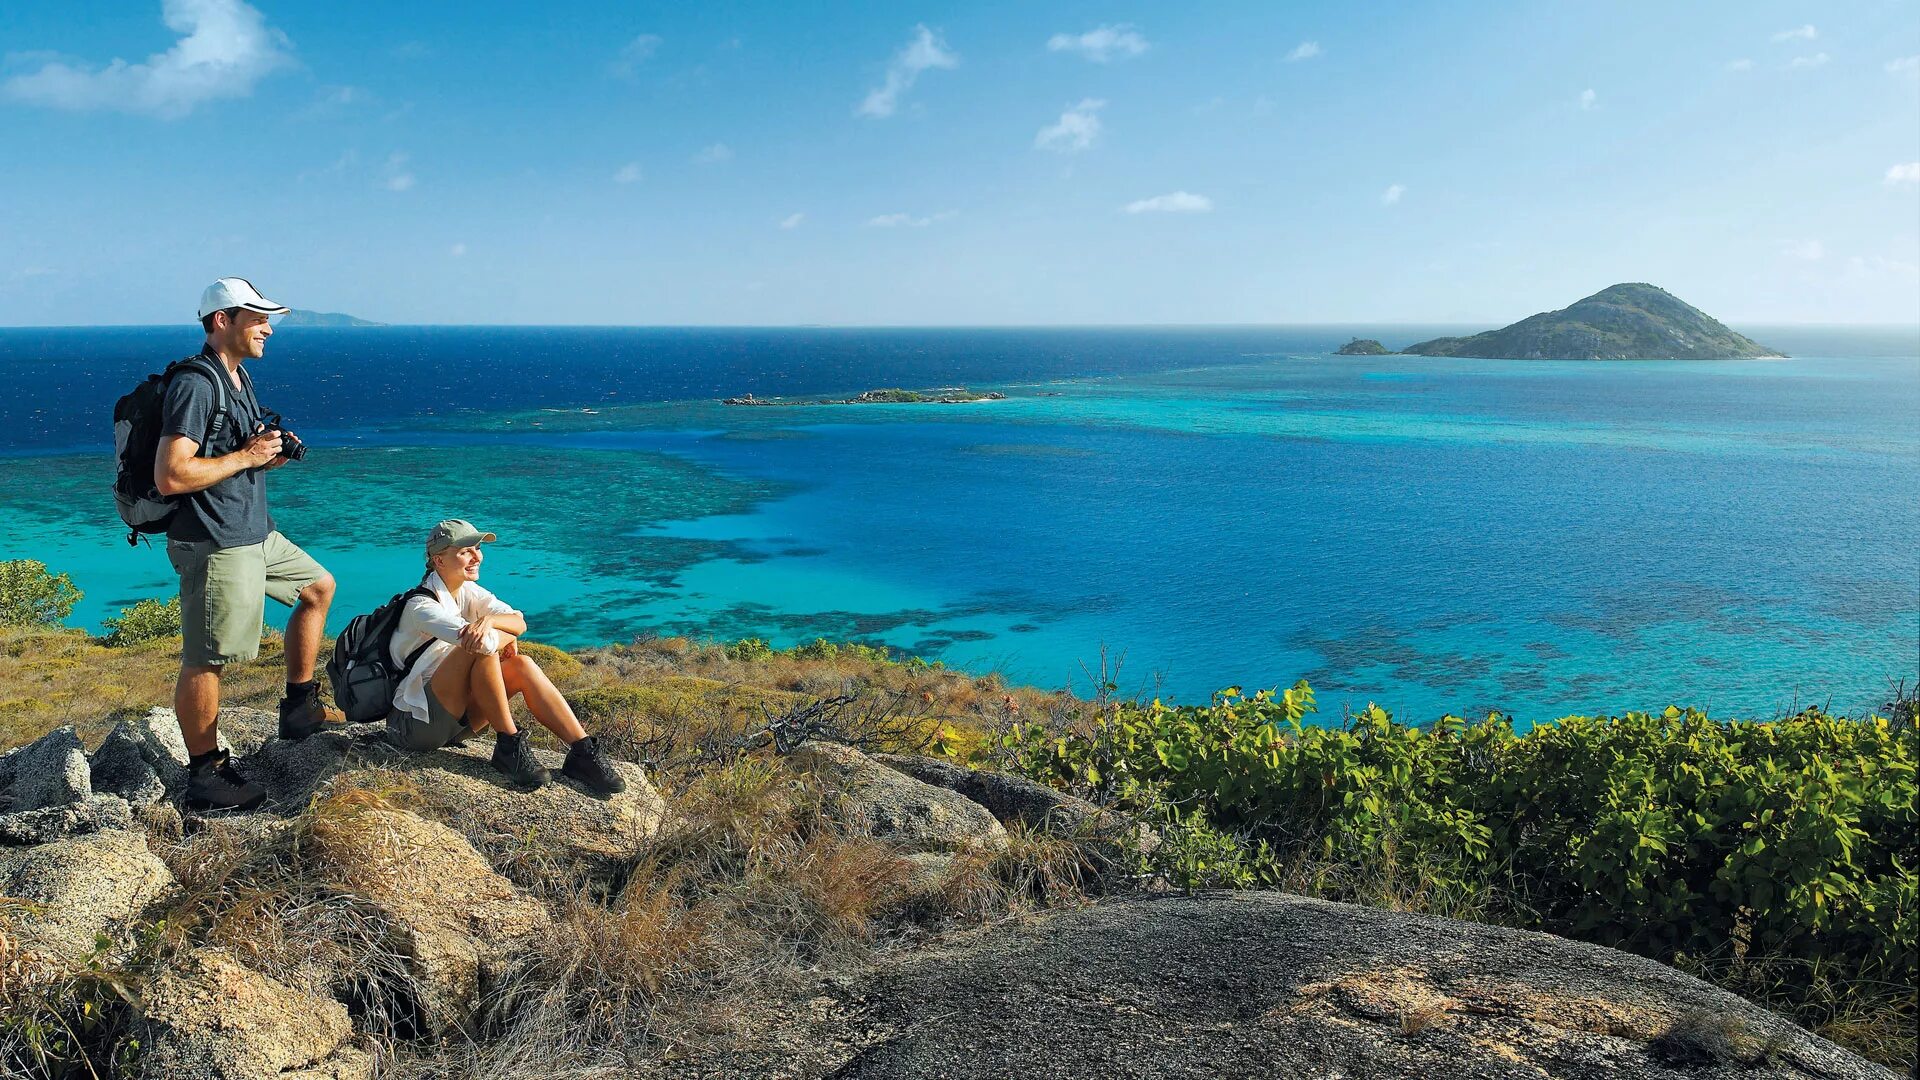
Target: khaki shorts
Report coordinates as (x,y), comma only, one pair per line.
(440,728)
(223,594)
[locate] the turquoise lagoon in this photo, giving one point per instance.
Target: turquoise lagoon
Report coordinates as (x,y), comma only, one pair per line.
(1237,509)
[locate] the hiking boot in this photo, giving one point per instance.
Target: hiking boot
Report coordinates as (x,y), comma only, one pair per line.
(588,765)
(514,759)
(302,715)
(215,784)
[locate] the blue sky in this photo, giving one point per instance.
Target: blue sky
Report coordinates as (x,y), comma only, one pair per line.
(1010,163)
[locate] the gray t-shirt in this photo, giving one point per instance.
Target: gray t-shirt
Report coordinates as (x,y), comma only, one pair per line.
(233,512)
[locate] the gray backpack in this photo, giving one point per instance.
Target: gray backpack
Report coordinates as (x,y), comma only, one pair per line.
(362,670)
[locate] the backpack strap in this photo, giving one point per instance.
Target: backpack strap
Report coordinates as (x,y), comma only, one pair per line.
(414,657)
(221,390)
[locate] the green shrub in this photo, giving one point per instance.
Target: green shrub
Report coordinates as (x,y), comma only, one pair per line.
(817,649)
(1670,834)
(144,621)
(751,650)
(30,596)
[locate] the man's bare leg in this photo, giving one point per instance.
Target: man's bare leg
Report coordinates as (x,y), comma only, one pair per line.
(196,701)
(305,627)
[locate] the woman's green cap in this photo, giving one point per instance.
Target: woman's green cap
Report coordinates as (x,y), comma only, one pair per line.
(455,533)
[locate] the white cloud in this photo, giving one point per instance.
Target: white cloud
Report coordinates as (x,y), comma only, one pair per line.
(1174,202)
(1907,173)
(1813,61)
(1393,193)
(633,54)
(1807,250)
(1101,44)
(399,177)
(1076,130)
(630,173)
(1906,65)
(1306,50)
(713,155)
(225,48)
(457,251)
(924,50)
(895,221)
(792,221)
(1588,98)
(1742,64)
(1798,33)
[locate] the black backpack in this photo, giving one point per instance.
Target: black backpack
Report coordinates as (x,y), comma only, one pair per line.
(136,443)
(362,670)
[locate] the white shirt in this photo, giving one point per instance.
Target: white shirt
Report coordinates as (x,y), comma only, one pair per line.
(438,620)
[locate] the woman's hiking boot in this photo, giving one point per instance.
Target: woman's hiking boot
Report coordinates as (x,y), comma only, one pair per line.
(514,759)
(214,784)
(587,764)
(301,713)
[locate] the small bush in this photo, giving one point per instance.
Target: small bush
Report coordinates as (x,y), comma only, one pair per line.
(147,620)
(750,650)
(817,649)
(30,596)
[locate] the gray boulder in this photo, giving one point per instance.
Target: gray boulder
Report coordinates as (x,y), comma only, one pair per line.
(1017,799)
(459,924)
(206,1017)
(141,761)
(1270,985)
(50,771)
(77,890)
(51,823)
(144,760)
(916,816)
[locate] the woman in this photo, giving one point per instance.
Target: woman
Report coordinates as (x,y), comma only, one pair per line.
(469,668)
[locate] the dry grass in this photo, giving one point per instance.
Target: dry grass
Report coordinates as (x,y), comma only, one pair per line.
(51,677)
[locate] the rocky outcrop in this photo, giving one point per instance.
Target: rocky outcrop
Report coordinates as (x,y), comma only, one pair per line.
(51,771)
(457,785)
(460,924)
(72,893)
(1270,985)
(915,816)
(1017,799)
(560,822)
(209,1018)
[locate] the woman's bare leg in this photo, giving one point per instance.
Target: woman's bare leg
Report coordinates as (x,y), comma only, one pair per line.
(453,680)
(522,676)
(488,698)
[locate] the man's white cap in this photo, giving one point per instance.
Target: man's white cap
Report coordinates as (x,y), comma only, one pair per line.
(237,292)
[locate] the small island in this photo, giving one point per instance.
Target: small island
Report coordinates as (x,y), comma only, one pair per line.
(298,317)
(1630,321)
(946,395)
(1363,347)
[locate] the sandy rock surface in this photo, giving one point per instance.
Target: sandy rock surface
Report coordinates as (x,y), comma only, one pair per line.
(1266,985)
(460,923)
(79,888)
(208,1018)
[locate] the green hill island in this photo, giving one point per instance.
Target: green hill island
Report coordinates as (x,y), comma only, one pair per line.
(1631,321)
(298,317)
(1363,347)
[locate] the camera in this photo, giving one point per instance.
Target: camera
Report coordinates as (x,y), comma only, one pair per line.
(291,447)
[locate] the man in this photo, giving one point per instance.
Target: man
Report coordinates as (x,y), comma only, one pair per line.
(215,452)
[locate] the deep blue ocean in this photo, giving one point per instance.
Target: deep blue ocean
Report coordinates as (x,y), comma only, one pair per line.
(1216,506)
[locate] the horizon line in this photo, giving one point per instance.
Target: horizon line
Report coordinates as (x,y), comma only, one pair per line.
(194,326)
